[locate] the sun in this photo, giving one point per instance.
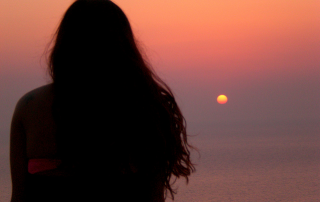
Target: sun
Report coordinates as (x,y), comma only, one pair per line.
(222,99)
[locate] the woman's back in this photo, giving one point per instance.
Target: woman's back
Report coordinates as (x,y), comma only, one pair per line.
(40,127)
(64,183)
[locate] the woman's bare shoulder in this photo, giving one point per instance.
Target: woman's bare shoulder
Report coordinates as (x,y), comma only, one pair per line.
(35,96)
(41,92)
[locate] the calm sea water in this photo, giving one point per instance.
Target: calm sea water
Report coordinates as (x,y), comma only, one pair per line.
(242,162)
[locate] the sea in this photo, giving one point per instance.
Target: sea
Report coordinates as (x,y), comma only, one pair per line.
(240,162)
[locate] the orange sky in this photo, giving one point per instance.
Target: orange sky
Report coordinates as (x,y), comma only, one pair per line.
(204,30)
(220,46)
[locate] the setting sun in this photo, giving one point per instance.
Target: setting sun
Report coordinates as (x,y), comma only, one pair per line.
(222,99)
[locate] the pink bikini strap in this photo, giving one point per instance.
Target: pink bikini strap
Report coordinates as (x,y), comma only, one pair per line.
(39,165)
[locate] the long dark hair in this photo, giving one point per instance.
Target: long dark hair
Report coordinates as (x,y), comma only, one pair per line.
(109,105)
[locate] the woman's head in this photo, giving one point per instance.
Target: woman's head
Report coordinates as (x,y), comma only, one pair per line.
(92,33)
(104,88)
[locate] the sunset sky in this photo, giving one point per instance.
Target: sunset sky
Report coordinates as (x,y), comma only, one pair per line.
(263,54)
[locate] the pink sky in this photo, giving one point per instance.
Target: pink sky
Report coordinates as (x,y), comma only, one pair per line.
(268,48)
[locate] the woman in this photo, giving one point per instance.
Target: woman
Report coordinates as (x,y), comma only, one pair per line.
(106,128)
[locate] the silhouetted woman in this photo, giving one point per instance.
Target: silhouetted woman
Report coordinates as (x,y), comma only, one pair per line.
(107,128)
